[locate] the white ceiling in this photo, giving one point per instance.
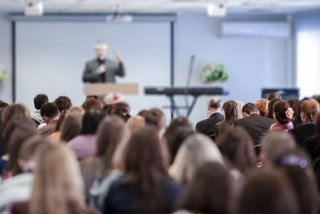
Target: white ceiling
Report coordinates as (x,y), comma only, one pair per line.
(146,6)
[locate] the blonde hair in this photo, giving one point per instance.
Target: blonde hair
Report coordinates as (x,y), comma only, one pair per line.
(195,150)
(135,123)
(58,186)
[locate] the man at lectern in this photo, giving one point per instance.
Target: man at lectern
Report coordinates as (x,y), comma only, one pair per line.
(102,69)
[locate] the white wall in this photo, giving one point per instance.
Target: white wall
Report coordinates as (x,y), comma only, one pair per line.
(5,57)
(252,63)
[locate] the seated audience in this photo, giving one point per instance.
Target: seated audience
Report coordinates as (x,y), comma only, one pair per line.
(109,134)
(156,118)
(308,111)
(273,144)
(18,188)
(76,109)
(63,103)
(237,147)
(283,114)
(298,168)
(266,193)
(91,103)
(71,126)
(135,123)
(175,124)
(57,186)
(294,103)
(262,106)
(312,144)
(84,145)
(39,101)
(120,109)
(145,186)
(231,114)
(194,151)
(255,124)
(206,126)
(50,114)
(271,105)
(273,95)
(211,190)
(56,134)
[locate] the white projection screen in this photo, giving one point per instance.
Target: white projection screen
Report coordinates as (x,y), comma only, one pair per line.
(50,58)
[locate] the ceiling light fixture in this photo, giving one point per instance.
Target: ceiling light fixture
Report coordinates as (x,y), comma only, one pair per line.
(216,9)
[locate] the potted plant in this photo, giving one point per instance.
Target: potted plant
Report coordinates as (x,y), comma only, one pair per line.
(213,72)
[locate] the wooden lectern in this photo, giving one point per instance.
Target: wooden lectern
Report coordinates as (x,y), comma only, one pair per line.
(98,89)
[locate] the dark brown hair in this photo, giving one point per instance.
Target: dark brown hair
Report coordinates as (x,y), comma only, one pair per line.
(318,125)
(144,164)
(39,100)
(267,192)
(109,135)
(271,106)
(294,103)
(230,112)
(121,109)
(71,126)
(236,145)
(91,103)
(279,109)
(63,103)
(49,110)
(250,108)
(210,190)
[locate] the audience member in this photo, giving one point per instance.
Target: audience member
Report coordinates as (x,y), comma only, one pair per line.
(273,144)
(298,168)
(237,147)
(91,103)
(57,186)
(312,144)
(267,192)
(194,151)
(211,190)
(71,126)
(63,103)
(120,109)
(262,106)
(270,106)
(273,95)
(50,114)
(109,134)
(206,126)
(308,111)
(176,123)
(317,98)
(156,118)
(145,186)
(283,114)
(294,103)
(231,115)
(135,123)
(256,125)
(84,145)
(76,109)
(57,133)
(39,101)
(18,188)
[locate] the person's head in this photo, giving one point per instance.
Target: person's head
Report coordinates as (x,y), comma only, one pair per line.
(230,109)
(194,151)
(178,123)
(298,168)
(71,126)
(274,144)
(156,118)
(308,110)
(49,112)
(121,109)
(271,106)
(109,134)
(262,106)
(58,186)
(145,163)
(13,112)
(90,121)
(249,108)
(267,192)
(101,49)
(273,95)
(22,130)
(175,140)
(282,112)
(294,103)
(76,109)
(135,122)
(27,153)
(214,105)
(210,190)
(236,145)
(3,104)
(63,103)
(39,100)
(90,103)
